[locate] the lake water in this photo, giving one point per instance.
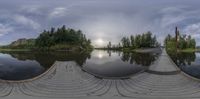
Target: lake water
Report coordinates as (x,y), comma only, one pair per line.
(188,62)
(103,64)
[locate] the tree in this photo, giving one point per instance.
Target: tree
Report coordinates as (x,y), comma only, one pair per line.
(123,40)
(128,43)
(138,41)
(132,41)
(168,38)
(148,39)
(184,42)
(119,45)
(109,45)
(154,42)
(193,43)
(145,40)
(62,36)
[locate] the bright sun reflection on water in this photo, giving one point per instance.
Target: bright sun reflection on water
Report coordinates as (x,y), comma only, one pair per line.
(100,55)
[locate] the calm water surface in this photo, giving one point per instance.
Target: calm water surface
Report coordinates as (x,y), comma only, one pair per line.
(188,62)
(109,64)
(104,64)
(26,65)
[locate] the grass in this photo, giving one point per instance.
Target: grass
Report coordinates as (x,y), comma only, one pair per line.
(198,49)
(189,50)
(59,47)
(7,49)
(126,49)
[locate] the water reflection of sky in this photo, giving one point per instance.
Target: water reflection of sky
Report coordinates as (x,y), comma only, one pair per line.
(14,69)
(197,60)
(26,65)
(110,64)
(102,57)
(188,63)
(4,55)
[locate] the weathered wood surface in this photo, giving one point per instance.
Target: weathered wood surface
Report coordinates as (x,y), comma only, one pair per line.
(66,80)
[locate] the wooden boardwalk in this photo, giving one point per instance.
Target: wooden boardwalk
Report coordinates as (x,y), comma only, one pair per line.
(66,80)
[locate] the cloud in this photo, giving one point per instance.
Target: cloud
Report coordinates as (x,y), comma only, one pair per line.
(171,20)
(33,9)
(172,15)
(193,28)
(26,21)
(194,31)
(4,30)
(58,12)
(113,26)
(108,20)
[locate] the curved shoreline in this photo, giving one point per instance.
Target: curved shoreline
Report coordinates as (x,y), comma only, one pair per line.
(31,79)
(182,72)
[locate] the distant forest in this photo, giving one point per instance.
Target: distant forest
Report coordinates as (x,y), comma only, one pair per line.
(145,40)
(62,38)
(55,39)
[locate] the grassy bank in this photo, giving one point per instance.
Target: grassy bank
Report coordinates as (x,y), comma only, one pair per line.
(189,50)
(142,50)
(57,47)
(186,50)
(54,48)
(7,49)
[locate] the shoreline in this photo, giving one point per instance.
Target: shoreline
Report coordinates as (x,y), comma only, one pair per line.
(139,50)
(27,50)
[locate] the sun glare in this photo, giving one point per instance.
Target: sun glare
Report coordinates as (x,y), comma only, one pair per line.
(99,42)
(100,55)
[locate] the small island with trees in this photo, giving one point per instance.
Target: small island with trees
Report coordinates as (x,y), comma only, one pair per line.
(181,43)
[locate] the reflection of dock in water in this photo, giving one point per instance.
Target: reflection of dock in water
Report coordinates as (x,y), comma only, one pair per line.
(66,80)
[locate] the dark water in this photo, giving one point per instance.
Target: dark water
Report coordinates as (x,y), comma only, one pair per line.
(26,65)
(188,62)
(107,64)
(104,64)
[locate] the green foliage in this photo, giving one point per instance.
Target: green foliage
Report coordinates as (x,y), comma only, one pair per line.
(54,39)
(125,42)
(171,44)
(146,40)
(183,42)
(62,37)
(22,44)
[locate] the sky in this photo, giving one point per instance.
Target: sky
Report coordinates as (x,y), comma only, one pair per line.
(101,20)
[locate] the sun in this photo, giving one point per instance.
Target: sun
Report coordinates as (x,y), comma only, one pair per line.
(100,55)
(100,41)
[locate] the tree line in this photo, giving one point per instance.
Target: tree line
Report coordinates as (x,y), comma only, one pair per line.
(55,39)
(145,40)
(62,38)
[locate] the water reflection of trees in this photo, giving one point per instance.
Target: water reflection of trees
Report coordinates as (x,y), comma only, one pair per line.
(145,59)
(182,59)
(109,52)
(47,59)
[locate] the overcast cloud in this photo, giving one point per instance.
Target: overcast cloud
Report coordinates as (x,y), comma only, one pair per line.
(99,19)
